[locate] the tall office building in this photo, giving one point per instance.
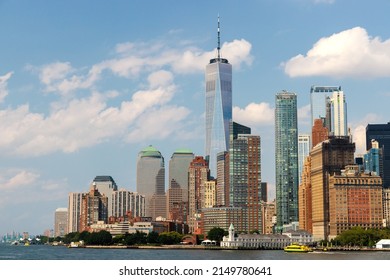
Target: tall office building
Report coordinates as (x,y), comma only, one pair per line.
(74,211)
(218,107)
(245,178)
(381,133)
(286,159)
(151,181)
(177,194)
(106,185)
(327,159)
(223,181)
(338,114)
(61,222)
(303,151)
(318,101)
(198,175)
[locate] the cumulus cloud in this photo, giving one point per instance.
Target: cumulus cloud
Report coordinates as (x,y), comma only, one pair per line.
(358,130)
(304,116)
(133,59)
(85,120)
(350,53)
(88,121)
(14,180)
(3,85)
(62,78)
(254,114)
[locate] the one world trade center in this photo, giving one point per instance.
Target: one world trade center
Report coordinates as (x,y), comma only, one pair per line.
(218,107)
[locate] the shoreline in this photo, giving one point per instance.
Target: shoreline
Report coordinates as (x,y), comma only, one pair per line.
(202,247)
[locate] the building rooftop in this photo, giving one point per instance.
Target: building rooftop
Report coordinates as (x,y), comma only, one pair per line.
(183,151)
(150,151)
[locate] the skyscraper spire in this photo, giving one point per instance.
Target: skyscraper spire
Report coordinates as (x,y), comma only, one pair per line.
(219,42)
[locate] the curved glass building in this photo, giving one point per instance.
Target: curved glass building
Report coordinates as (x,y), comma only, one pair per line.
(151,181)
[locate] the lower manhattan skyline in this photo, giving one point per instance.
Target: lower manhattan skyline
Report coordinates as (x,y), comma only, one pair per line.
(84,87)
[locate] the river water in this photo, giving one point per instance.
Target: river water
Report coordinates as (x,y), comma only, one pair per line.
(46,252)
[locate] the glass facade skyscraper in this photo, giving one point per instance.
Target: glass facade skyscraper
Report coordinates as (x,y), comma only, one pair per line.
(286,158)
(218,108)
(381,133)
(151,181)
(318,100)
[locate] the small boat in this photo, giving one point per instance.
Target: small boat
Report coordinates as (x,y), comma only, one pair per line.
(296,248)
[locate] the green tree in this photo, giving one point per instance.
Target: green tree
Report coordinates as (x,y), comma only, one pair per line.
(217,234)
(169,238)
(135,238)
(102,237)
(152,237)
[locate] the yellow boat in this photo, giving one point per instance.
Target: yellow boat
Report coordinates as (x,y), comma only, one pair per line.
(296,248)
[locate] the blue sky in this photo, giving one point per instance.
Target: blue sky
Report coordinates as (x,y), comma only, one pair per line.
(85,85)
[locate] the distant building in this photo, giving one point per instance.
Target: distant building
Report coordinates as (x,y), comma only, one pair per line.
(381,133)
(209,194)
(264,191)
(151,181)
(124,201)
(318,100)
(222,217)
(355,199)
(61,222)
(319,132)
(386,207)
(305,198)
(74,211)
(178,179)
(94,208)
(106,186)
(372,159)
(223,181)
(269,217)
(338,111)
(198,175)
(304,147)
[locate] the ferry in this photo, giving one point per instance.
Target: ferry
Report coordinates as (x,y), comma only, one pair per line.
(296,248)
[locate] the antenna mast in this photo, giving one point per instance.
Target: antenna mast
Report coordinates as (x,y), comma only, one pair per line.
(219,42)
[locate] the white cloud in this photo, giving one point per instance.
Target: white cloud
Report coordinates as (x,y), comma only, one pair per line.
(3,85)
(89,121)
(350,53)
(14,180)
(358,131)
(75,122)
(304,116)
(254,114)
(159,124)
(324,1)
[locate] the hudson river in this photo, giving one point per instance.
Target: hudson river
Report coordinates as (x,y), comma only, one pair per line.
(46,252)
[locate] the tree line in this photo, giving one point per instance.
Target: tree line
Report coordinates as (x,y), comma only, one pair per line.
(361,237)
